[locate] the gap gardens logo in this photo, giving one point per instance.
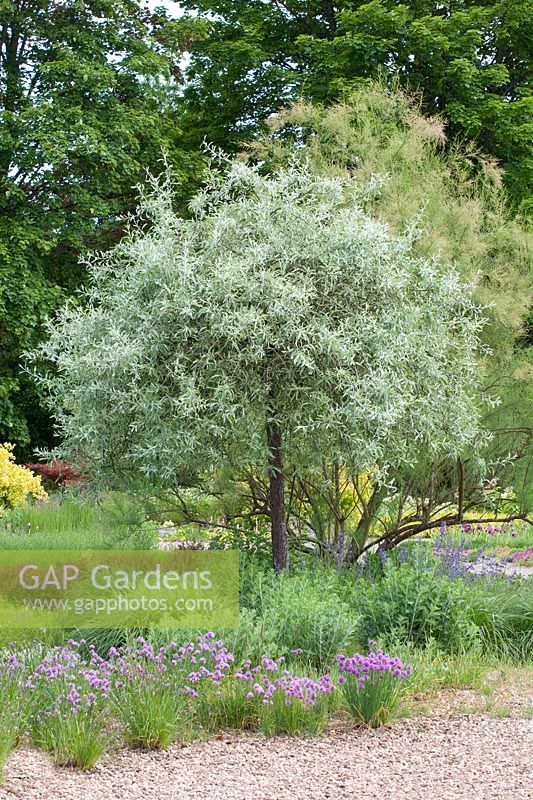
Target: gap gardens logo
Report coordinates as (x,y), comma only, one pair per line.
(107,589)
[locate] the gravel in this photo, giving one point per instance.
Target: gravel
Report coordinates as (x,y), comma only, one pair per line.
(492,565)
(463,758)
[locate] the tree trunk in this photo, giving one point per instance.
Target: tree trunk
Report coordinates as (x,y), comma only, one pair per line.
(278,524)
(368,516)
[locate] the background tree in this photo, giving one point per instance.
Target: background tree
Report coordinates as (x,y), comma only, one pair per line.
(281,328)
(90,95)
(88,100)
(469,59)
(466,219)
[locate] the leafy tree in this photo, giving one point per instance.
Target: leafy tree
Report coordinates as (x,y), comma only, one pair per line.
(281,327)
(88,94)
(465,218)
(470,60)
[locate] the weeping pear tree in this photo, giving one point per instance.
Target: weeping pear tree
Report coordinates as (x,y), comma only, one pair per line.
(279,326)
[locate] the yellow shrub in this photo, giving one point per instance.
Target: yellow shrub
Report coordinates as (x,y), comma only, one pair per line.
(16,482)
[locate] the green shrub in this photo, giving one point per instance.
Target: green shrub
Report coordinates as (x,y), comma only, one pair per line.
(16,482)
(303,612)
(253,637)
(410,604)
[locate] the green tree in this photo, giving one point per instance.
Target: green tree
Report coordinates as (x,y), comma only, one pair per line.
(88,98)
(280,327)
(469,59)
(464,217)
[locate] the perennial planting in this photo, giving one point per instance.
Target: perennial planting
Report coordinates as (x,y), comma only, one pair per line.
(523,555)
(371,684)
(506,531)
(76,702)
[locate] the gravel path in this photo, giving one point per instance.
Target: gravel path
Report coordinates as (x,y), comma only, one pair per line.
(464,758)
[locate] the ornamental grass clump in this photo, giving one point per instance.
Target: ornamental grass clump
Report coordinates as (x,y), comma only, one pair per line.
(372,685)
(75,735)
(229,705)
(295,705)
(153,713)
(7,741)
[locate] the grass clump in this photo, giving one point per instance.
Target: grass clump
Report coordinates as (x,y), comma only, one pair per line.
(74,739)
(152,714)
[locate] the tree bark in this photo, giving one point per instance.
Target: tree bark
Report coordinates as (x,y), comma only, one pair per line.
(367,517)
(278,524)
(460,489)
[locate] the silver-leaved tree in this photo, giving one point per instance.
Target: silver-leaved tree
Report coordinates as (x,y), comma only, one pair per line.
(279,325)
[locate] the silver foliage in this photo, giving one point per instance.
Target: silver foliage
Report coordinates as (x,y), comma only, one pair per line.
(280,296)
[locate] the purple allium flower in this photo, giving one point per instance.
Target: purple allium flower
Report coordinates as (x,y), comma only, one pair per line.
(375,666)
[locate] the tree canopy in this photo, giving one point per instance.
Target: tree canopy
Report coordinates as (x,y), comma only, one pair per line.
(88,95)
(281,326)
(469,59)
(458,193)
(92,93)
